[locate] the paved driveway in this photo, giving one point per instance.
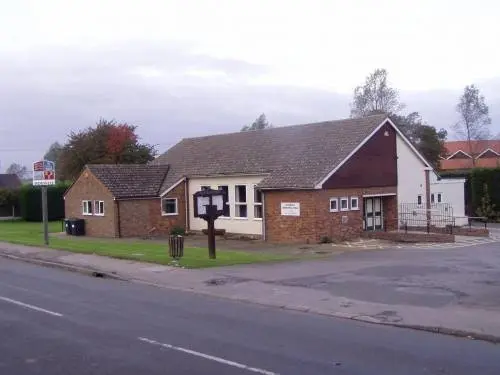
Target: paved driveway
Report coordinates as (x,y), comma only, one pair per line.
(433,277)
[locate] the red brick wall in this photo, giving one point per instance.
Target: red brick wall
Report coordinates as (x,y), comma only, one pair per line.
(410,237)
(163,224)
(135,220)
(142,217)
(88,187)
(316,220)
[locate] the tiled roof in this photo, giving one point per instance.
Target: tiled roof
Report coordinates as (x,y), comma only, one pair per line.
(460,161)
(477,146)
(296,156)
(130,180)
(9,181)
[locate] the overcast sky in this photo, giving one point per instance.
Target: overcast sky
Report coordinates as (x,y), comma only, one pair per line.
(185,68)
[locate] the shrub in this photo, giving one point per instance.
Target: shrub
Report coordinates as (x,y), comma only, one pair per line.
(30,198)
(177,231)
(485,191)
(325,239)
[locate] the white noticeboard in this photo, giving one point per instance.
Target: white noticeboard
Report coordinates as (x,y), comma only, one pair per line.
(290,209)
(202,202)
(218,200)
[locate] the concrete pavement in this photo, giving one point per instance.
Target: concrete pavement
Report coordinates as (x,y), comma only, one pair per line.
(114,327)
(452,291)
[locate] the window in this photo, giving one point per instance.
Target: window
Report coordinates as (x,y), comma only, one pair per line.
(419,200)
(440,197)
(432,198)
(344,204)
(354,203)
(99,208)
(240,201)
(257,203)
(334,204)
(169,206)
(227,207)
(87,207)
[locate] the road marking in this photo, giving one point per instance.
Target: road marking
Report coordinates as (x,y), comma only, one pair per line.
(209,357)
(19,303)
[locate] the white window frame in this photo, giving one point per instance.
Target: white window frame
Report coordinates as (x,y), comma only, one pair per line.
(228,203)
(354,198)
(347,204)
(421,198)
(257,204)
(336,200)
(86,204)
(238,204)
(97,208)
(433,198)
(439,197)
(163,213)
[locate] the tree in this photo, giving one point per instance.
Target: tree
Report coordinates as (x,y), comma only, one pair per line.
(20,170)
(487,209)
(474,118)
(108,143)
(427,139)
(375,96)
(259,124)
(53,152)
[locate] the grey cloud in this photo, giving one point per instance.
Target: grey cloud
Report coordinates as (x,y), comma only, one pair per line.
(46,94)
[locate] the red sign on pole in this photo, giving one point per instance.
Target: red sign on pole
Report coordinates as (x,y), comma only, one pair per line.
(44,173)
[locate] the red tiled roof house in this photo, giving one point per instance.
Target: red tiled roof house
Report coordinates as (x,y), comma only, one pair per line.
(461,155)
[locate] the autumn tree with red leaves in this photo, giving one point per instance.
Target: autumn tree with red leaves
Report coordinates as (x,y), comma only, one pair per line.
(107,143)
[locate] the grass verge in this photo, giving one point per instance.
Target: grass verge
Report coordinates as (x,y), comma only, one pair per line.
(25,233)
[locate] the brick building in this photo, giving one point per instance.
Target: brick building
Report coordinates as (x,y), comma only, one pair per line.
(463,155)
(285,184)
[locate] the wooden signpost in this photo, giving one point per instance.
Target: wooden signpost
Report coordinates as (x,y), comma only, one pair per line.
(209,205)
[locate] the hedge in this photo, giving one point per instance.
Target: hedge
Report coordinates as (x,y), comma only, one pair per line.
(30,198)
(490,178)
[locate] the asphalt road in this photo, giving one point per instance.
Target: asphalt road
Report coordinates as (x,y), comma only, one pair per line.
(56,322)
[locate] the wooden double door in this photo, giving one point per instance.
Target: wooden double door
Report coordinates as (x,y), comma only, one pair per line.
(374,215)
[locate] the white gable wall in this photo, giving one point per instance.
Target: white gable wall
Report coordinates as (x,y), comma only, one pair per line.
(411,184)
(232,224)
(411,173)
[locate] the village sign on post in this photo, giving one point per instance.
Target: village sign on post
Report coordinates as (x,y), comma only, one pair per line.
(44,174)
(209,205)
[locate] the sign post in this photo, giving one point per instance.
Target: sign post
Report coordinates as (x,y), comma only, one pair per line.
(44,174)
(209,205)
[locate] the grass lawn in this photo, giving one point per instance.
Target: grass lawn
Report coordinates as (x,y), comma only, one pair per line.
(143,250)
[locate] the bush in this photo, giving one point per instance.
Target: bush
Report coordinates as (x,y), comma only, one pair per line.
(325,239)
(485,191)
(30,198)
(9,197)
(177,231)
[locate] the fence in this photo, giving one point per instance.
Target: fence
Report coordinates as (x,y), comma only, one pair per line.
(417,216)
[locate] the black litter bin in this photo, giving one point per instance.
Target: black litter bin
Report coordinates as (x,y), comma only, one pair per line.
(67,226)
(78,227)
(176,246)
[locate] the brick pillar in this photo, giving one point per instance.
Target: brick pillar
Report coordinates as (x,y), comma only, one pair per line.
(428,195)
